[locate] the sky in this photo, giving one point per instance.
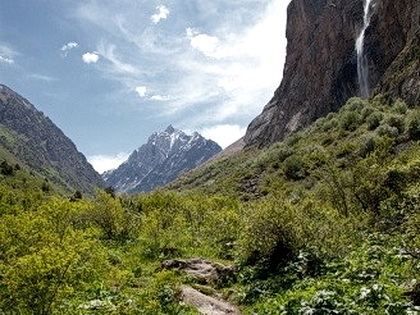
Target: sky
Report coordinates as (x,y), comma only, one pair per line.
(110,73)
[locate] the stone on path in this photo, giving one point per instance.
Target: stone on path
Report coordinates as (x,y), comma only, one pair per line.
(207,305)
(202,270)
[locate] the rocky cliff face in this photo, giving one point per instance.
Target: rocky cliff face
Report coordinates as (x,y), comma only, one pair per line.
(31,138)
(164,157)
(320,72)
(394,46)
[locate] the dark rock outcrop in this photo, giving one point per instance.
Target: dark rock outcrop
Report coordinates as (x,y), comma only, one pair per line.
(320,72)
(34,140)
(164,157)
(395,50)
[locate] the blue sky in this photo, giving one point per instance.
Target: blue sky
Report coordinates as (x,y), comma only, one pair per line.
(109,73)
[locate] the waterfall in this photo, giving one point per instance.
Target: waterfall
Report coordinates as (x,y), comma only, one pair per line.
(362,62)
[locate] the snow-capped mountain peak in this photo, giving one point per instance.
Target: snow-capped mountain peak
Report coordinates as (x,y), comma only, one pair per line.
(165,156)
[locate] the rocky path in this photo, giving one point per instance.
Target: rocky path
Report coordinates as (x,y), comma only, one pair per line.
(206,304)
(204,272)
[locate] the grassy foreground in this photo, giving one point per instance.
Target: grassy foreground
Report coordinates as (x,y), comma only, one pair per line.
(325,222)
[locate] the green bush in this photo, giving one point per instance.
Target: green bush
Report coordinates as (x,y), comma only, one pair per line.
(349,121)
(355,104)
(395,121)
(330,124)
(366,112)
(413,125)
(6,169)
(275,231)
(374,120)
(116,222)
(294,168)
(283,153)
(387,131)
(400,107)
(270,237)
(367,146)
(46,259)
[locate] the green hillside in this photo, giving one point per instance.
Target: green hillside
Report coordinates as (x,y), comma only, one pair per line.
(325,222)
(30,138)
(13,142)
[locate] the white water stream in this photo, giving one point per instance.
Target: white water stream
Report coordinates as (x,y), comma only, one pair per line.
(362,61)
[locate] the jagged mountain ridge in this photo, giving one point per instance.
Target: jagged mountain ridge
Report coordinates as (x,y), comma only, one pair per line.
(164,157)
(30,138)
(320,72)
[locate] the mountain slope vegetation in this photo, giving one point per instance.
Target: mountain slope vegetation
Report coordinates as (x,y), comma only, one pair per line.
(320,72)
(31,139)
(324,222)
(318,217)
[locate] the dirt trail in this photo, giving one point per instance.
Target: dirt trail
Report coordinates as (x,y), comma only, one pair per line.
(204,272)
(206,304)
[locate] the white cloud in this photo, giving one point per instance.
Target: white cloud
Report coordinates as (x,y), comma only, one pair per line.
(246,67)
(67,47)
(160,98)
(221,72)
(42,77)
(92,57)
(162,14)
(141,91)
(224,135)
(206,44)
(7,54)
(6,60)
(118,67)
(102,163)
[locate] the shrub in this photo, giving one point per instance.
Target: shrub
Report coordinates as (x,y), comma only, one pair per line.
(330,124)
(395,121)
(270,237)
(366,112)
(294,168)
(293,139)
(283,153)
(413,125)
(345,149)
(115,222)
(374,120)
(367,146)
(6,169)
(349,121)
(355,104)
(388,131)
(46,259)
(331,115)
(400,107)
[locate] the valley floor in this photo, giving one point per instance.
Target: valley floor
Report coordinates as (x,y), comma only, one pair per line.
(325,222)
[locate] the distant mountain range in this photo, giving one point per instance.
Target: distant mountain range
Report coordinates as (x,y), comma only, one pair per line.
(32,140)
(164,157)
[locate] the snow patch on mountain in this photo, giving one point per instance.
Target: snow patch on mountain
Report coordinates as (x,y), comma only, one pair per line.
(164,157)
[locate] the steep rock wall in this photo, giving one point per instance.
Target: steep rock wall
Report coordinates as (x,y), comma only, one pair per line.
(320,72)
